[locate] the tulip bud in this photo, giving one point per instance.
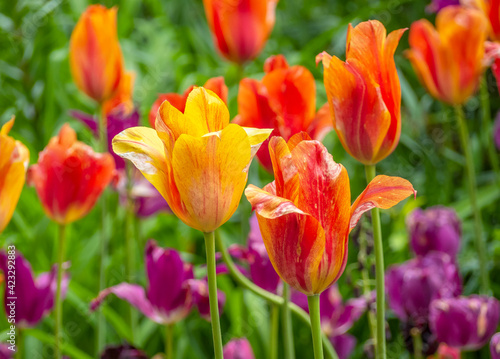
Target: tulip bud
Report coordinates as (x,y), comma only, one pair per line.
(238,349)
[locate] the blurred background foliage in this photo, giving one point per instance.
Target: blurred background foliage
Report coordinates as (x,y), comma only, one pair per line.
(169,47)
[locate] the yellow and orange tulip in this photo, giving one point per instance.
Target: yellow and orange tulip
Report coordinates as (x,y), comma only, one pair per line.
(240,27)
(14,161)
(364,92)
(69,177)
(196,159)
(215,84)
(285,100)
(305,215)
(95,56)
(448,59)
(491,10)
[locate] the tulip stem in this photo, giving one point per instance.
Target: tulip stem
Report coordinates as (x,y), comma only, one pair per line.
(169,341)
(380,346)
(20,344)
(313,302)
(270,297)
(275,314)
(129,241)
(478,222)
(287,323)
(487,126)
(58,302)
(212,294)
(417,343)
(365,276)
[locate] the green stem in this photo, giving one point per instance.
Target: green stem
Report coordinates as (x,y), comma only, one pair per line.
(273,349)
(212,293)
(103,145)
(417,343)
(313,302)
(169,341)
(365,276)
(380,346)
(270,297)
(487,127)
(287,323)
(478,222)
(58,302)
(129,242)
(20,344)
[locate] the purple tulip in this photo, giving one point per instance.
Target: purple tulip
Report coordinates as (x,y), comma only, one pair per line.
(437,5)
(199,288)
(495,346)
(124,351)
(434,229)
(413,285)
(262,272)
(34,296)
(238,349)
(5,352)
(168,298)
(337,317)
(117,121)
(496,131)
(465,322)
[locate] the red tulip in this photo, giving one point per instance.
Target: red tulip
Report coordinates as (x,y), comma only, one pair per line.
(305,215)
(70,176)
(285,100)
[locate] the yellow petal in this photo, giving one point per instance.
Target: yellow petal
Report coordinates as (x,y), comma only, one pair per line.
(206,110)
(169,117)
(209,174)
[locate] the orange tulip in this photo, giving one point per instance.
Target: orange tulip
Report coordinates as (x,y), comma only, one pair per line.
(284,100)
(305,215)
(69,177)
(448,59)
(196,159)
(491,10)
(364,92)
(215,84)
(240,27)
(95,55)
(14,161)
(122,98)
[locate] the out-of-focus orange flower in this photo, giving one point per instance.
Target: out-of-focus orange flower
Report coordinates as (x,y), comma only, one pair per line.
(491,10)
(305,215)
(240,27)
(95,55)
(284,100)
(70,176)
(196,159)
(215,84)
(364,92)
(448,59)
(122,98)
(14,160)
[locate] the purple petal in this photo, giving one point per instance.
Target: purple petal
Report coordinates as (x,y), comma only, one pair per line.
(199,288)
(5,352)
(495,346)
(496,131)
(132,293)
(330,302)
(238,349)
(437,5)
(352,311)
(124,351)
(86,119)
(119,121)
(299,299)
(343,344)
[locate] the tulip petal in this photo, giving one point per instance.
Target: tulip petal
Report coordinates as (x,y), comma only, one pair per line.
(382,192)
(206,110)
(322,123)
(215,162)
(171,120)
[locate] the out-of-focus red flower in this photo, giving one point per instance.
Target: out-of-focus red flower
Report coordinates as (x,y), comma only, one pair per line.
(364,92)
(14,161)
(215,84)
(449,59)
(240,27)
(284,100)
(95,56)
(305,215)
(69,176)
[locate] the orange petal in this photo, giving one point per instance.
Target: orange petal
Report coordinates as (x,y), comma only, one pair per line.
(218,86)
(275,62)
(382,192)
(322,123)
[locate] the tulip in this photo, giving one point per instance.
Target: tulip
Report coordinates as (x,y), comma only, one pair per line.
(466,323)
(121,102)
(448,59)
(434,229)
(240,28)
(495,346)
(95,55)
(5,352)
(337,317)
(34,296)
(364,92)
(285,100)
(201,297)
(13,164)
(491,11)
(238,349)
(215,84)
(69,177)
(438,5)
(305,215)
(123,351)
(446,352)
